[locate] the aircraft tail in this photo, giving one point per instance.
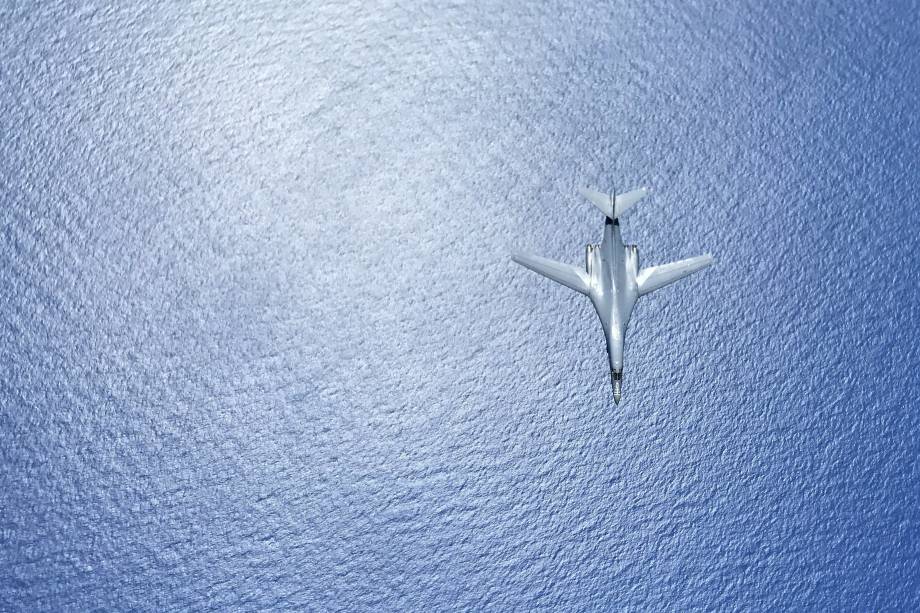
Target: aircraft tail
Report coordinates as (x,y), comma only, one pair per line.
(614,206)
(570,276)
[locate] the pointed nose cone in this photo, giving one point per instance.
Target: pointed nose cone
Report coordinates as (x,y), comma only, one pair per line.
(616,378)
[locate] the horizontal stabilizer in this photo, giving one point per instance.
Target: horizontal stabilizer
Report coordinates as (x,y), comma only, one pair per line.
(570,276)
(613,206)
(650,279)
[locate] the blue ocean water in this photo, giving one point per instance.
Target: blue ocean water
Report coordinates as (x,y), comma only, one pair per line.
(263,346)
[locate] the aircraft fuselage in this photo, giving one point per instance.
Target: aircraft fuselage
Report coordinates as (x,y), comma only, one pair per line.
(613,268)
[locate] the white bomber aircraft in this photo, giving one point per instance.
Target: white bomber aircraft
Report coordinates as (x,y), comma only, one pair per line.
(612,277)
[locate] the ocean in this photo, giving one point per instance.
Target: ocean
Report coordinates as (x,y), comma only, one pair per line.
(264,347)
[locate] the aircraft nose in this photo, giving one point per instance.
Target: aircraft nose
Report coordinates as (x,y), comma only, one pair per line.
(616,378)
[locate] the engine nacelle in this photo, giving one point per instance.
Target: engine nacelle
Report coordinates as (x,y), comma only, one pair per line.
(632,257)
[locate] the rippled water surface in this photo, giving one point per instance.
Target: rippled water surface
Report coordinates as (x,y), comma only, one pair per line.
(263,346)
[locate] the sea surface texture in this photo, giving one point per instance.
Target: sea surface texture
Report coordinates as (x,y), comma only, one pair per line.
(263,347)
